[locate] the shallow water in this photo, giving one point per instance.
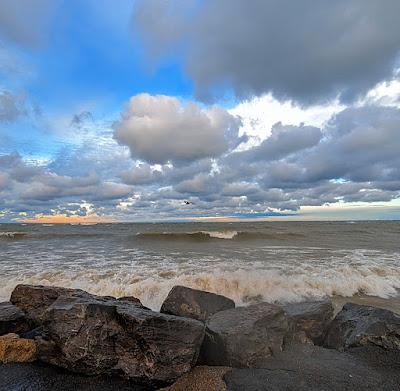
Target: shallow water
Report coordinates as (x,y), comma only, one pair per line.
(273,261)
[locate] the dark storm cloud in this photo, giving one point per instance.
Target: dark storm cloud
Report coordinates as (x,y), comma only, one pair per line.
(303,50)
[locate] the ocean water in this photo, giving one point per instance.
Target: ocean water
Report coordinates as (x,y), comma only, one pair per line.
(248,262)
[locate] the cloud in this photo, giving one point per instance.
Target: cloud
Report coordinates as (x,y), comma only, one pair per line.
(3,180)
(361,144)
(79,120)
(199,184)
(286,140)
(11,107)
(143,174)
(352,158)
(24,21)
(159,129)
(305,50)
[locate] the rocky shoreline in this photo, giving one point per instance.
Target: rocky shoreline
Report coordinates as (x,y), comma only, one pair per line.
(59,338)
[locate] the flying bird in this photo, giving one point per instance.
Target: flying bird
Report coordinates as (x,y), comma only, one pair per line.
(188,202)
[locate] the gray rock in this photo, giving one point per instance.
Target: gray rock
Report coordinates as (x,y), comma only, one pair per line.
(12,319)
(38,376)
(242,336)
(95,335)
(311,318)
(313,368)
(35,299)
(360,325)
(193,303)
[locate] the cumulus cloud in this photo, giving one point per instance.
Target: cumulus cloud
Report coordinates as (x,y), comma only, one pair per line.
(362,144)
(143,174)
(286,140)
(25,185)
(159,129)
(352,158)
(304,50)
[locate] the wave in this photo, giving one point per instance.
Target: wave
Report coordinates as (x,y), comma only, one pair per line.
(244,286)
(210,235)
(199,235)
(13,235)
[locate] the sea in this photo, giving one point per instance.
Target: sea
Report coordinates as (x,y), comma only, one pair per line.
(248,262)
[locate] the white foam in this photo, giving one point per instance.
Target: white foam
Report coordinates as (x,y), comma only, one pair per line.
(243,286)
(12,235)
(220,234)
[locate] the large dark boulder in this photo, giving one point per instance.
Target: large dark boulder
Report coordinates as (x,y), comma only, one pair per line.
(242,336)
(35,299)
(193,303)
(360,325)
(311,318)
(12,319)
(95,335)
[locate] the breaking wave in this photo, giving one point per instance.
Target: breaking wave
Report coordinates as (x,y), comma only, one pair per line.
(210,235)
(243,286)
(13,235)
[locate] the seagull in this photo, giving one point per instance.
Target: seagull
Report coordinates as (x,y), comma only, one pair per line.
(188,202)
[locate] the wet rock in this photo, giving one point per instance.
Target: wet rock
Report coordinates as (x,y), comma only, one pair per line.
(133,300)
(201,378)
(242,336)
(37,376)
(35,299)
(360,325)
(95,335)
(15,349)
(313,368)
(12,319)
(193,303)
(310,318)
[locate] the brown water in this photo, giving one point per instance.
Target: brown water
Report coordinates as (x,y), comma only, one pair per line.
(273,261)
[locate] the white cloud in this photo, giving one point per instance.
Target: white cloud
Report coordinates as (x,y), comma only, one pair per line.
(259,114)
(160,128)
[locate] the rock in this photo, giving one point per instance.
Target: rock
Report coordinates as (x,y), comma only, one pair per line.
(313,368)
(241,336)
(201,378)
(12,319)
(94,335)
(38,376)
(311,318)
(361,325)
(15,349)
(131,299)
(35,299)
(193,303)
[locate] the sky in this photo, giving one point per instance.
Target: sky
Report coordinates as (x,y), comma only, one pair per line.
(264,110)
